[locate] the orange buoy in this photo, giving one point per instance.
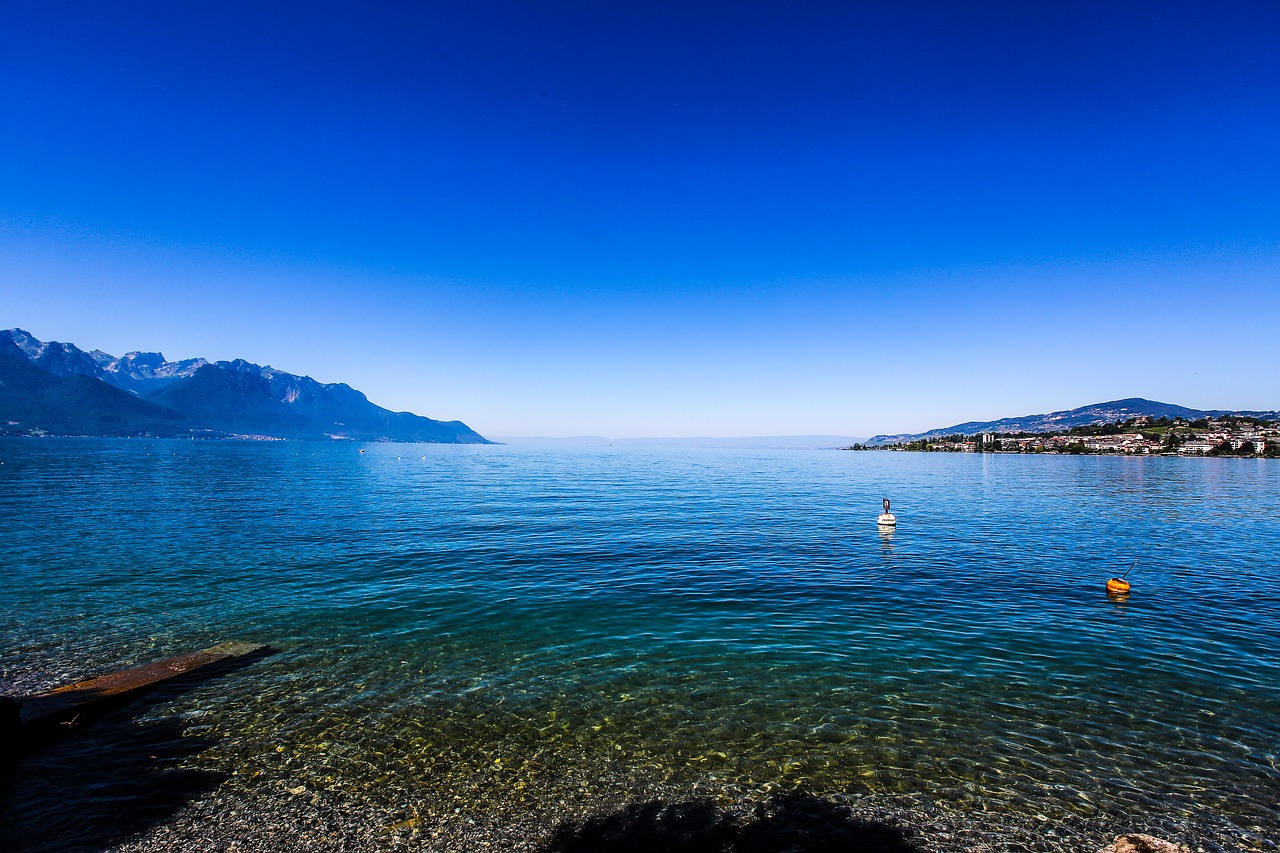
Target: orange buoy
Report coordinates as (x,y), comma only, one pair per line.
(1120,584)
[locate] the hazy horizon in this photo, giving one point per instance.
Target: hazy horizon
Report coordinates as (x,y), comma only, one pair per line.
(705,441)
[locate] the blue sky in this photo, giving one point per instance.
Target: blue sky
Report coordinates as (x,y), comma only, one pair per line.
(659,219)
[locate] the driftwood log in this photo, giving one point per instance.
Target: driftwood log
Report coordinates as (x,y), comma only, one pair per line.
(27,721)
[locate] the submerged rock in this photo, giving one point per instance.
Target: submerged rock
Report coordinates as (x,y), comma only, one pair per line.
(1140,843)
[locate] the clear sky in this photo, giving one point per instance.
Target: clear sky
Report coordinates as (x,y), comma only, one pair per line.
(662,219)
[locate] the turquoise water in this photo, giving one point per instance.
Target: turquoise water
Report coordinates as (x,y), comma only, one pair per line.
(509,627)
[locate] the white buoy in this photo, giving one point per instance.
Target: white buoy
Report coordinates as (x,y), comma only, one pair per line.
(886,518)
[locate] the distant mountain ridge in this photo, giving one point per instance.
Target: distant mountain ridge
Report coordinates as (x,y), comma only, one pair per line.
(57,388)
(33,401)
(1097,413)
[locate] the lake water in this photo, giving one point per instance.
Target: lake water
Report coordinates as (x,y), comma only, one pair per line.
(478,633)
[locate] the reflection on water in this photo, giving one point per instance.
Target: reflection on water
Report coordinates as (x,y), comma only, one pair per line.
(513,629)
(1119,599)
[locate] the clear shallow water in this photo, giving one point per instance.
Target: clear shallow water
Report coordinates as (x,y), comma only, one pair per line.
(499,627)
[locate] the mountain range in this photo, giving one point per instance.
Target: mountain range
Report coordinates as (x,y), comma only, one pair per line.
(53,388)
(1097,413)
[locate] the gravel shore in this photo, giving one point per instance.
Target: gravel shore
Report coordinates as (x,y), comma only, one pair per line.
(240,820)
(149,785)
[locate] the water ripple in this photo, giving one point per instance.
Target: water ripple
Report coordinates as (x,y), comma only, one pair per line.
(492,619)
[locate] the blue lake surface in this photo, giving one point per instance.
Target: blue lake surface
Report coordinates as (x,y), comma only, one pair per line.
(508,626)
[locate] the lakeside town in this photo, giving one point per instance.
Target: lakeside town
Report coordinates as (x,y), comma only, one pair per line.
(1232,435)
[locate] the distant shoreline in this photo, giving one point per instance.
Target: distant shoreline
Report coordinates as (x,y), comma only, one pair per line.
(1227,435)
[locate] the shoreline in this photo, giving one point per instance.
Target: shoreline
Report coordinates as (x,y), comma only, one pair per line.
(180,803)
(308,821)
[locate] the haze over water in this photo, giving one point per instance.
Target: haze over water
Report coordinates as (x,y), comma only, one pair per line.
(505,630)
